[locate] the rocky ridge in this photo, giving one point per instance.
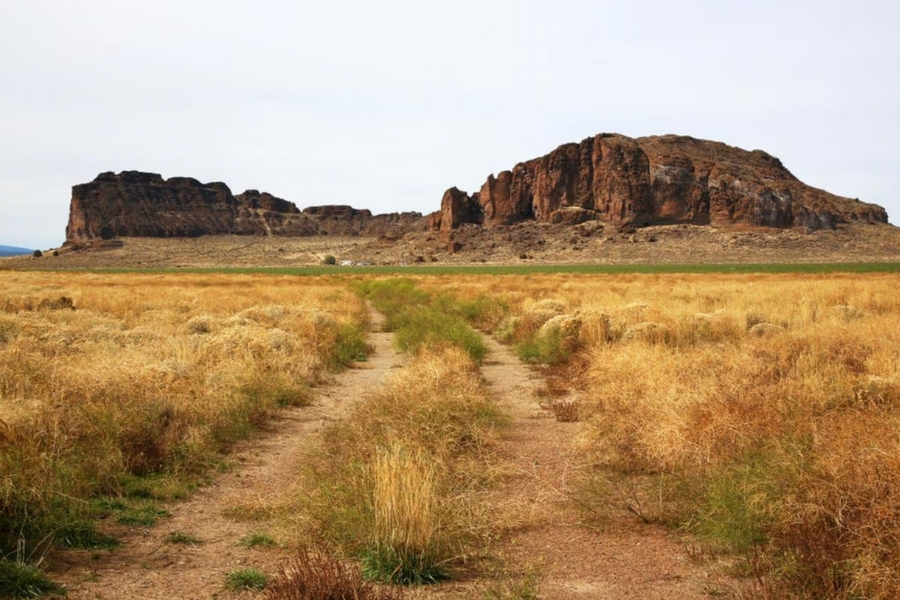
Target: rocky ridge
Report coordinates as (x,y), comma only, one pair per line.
(136,204)
(658,180)
(608,178)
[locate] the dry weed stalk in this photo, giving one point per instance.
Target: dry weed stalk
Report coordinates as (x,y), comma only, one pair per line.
(315,576)
(565,410)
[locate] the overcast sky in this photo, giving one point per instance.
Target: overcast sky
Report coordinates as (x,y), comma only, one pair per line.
(384,105)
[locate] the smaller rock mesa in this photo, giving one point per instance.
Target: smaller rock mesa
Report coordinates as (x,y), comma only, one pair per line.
(655,180)
(136,204)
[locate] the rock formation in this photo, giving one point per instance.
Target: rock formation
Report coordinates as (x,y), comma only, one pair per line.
(610,178)
(135,204)
(651,181)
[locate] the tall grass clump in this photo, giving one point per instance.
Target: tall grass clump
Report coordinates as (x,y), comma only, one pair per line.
(399,481)
(19,579)
(404,504)
(146,377)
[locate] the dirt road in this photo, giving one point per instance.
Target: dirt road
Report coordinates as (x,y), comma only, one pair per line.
(545,534)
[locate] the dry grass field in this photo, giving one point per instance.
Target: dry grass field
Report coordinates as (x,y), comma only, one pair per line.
(108,378)
(756,413)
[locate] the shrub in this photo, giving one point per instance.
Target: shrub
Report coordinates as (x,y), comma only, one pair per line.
(349,344)
(329,260)
(430,327)
(483,311)
(314,576)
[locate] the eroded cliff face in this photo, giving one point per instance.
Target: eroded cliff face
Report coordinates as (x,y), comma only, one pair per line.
(611,178)
(136,204)
(652,181)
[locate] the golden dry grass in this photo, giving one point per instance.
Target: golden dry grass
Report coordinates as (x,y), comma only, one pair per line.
(760,411)
(404,499)
(401,480)
(106,375)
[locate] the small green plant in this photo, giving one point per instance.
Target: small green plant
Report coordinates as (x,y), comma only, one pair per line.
(248,578)
(431,326)
(484,311)
(135,514)
(734,508)
(329,260)
(257,540)
(19,579)
(387,564)
(421,321)
(157,486)
(179,537)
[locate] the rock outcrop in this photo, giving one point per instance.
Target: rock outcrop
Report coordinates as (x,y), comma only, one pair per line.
(135,204)
(610,178)
(654,180)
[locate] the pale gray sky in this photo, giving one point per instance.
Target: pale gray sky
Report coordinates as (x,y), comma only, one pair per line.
(384,105)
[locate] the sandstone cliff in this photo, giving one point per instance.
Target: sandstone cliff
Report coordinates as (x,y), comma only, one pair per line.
(651,181)
(135,204)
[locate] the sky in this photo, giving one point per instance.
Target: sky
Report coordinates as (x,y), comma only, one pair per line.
(384,105)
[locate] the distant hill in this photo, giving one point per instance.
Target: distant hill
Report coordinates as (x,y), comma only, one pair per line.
(13,251)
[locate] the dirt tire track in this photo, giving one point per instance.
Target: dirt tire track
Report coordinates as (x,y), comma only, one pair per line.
(625,560)
(147,568)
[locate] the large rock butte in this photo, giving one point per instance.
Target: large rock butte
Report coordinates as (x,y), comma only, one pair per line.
(630,182)
(135,204)
(654,180)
